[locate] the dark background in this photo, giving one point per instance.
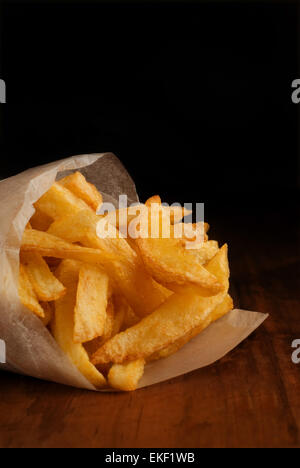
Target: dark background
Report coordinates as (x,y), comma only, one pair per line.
(194,98)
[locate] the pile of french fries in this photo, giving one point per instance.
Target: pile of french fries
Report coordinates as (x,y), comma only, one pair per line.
(115,303)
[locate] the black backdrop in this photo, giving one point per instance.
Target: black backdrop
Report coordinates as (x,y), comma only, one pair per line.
(194,98)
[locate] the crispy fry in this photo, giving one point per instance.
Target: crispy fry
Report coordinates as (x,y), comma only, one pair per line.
(176,213)
(45,285)
(126,376)
(221,310)
(48,245)
(123,217)
(174,319)
(91,304)
(27,294)
(63,325)
(92,346)
(59,202)
(176,268)
(48,308)
(78,185)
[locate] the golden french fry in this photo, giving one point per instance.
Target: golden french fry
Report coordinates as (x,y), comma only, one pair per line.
(221,310)
(59,202)
(177,268)
(92,346)
(48,245)
(126,269)
(91,303)
(171,321)
(45,285)
(27,294)
(126,376)
(109,323)
(40,221)
(63,324)
(78,185)
(154,200)
(176,213)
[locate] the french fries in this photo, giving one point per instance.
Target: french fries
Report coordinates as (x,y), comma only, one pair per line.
(176,213)
(170,264)
(78,185)
(63,325)
(114,303)
(180,314)
(59,202)
(126,268)
(40,221)
(221,310)
(50,246)
(126,376)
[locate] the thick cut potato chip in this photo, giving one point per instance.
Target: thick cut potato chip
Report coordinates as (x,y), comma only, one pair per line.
(174,319)
(206,252)
(59,202)
(48,245)
(48,308)
(27,294)
(121,307)
(91,303)
(177,268)
(221,310)
(63,325)
(78,185)
(45,285)
(126,269)
(109,323)
(126,376)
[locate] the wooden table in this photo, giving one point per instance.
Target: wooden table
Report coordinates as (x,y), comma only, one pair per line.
(251,398)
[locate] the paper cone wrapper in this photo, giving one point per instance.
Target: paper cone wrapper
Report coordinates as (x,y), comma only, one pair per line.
(30,348)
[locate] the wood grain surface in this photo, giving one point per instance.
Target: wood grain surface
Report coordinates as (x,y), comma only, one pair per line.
(250,398)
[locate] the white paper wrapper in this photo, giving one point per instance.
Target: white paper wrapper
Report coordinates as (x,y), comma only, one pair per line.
(30,348)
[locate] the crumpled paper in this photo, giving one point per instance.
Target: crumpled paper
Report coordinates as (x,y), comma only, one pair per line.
(30,348)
